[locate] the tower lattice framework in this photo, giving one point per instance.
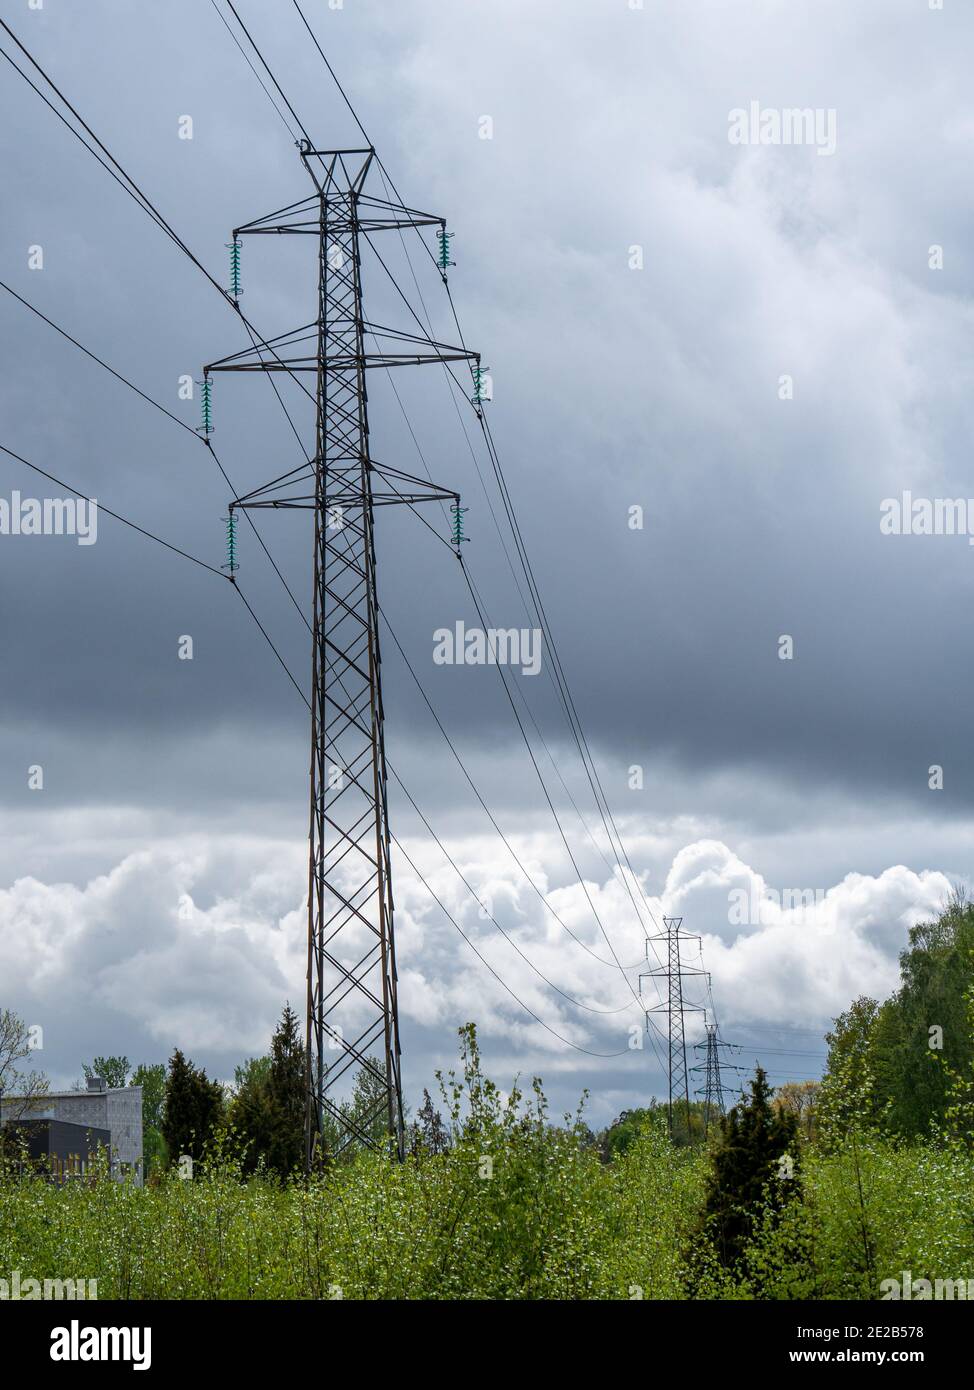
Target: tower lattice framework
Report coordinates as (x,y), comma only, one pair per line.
(352,981)
(712,1068)
(675,1008)
(713,1091)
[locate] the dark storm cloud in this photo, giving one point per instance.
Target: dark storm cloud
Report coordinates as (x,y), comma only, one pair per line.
(613,387)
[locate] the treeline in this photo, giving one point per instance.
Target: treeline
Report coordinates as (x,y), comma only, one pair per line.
(899,1066)
(187,1114)
(904,1065)
(854,1186)
(259,1118)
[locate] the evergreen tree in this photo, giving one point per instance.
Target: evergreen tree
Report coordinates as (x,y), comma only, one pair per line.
(268,1111)
(287,1087)
(754,1163)
(194,1108)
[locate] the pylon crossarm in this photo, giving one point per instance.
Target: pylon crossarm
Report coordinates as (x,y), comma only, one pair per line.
(306,500)
(251,359)
(274,494)
(341,361)
(301,219)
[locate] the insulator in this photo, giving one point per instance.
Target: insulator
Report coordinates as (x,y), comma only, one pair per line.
(458,537)
(206,407)
(235,247)
(444,238)
(231,523)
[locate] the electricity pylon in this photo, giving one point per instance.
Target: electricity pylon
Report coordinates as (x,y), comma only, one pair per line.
(713,1089)
(352,981)
(674,1007)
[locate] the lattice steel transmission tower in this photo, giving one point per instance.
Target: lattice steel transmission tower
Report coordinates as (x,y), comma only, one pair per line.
(674,1007)
(352,981)
(713,1089)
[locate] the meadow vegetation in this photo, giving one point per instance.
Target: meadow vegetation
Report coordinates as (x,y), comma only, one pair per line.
(820,1194)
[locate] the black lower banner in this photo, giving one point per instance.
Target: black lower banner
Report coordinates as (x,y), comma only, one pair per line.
(169,1338)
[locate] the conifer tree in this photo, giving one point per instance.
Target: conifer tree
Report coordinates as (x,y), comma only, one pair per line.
(286,1085)
(194,1107)
(755,1163)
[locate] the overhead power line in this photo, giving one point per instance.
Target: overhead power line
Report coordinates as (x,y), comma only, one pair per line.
(116,170)
(133,525)
(574,723)
(157,405)
(270,97)
(260,346)
(101,362)
(264,65)
(447,367)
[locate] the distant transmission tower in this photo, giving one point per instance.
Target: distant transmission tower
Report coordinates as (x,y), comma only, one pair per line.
(674,1007)
(712,1066)
(352,981)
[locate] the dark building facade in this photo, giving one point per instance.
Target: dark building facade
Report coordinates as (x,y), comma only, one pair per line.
(57,1147)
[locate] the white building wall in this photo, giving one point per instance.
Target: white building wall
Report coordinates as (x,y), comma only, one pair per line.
(119,1110)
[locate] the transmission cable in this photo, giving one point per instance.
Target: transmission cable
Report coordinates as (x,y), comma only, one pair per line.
(116,515)
(134,191)
(287,125)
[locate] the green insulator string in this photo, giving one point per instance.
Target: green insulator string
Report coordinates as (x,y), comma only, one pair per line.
(443,239)
(480,383)
(206,407)
(231,563)
(235,247)
(458,537)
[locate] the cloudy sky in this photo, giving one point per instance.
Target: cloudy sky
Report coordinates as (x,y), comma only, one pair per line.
(755,343)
